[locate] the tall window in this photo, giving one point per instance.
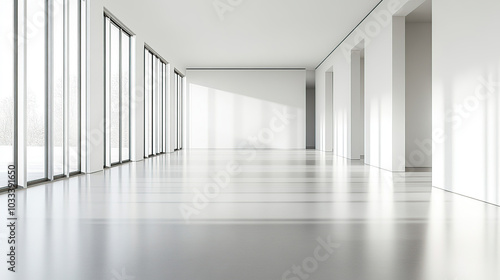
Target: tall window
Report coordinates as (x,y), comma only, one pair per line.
(155,93)
(37,119)
(51,118)
(65,86)
(7,102)
(117,93)
(57,85)
(179,87)
(74,56)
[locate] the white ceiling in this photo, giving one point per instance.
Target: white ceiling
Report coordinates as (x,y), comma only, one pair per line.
(256,33)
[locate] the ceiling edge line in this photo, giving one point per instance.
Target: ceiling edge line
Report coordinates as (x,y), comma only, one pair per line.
(242,69)
(352,31)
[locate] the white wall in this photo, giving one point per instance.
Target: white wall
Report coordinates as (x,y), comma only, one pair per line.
(328,108)
(145,31)
(227,108)
(418,94)
(357,135)
(466,104)
(362,124)
(342,112)
(383,33)
(357,147)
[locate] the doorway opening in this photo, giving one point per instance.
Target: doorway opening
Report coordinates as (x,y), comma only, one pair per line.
(418,96)
(358,102)
(329,124)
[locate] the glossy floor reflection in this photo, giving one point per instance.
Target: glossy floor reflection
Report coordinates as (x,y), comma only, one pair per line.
(281,215)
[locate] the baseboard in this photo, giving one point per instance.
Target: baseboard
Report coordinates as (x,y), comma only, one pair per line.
(418,169)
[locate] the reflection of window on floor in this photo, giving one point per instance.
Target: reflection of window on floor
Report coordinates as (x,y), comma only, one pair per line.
(155,92)
(117,95)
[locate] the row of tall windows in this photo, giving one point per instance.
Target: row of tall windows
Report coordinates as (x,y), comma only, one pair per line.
(42,47)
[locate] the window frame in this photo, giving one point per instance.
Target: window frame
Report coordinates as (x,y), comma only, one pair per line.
(109,22)
(155,113)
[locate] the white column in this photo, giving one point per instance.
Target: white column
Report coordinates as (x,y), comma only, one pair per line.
(398,93)
(356,149)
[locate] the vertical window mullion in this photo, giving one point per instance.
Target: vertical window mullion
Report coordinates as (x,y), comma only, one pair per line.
(179,112)
(114,95)
(146,129)
(156,105)
(78,95)
(83,87)
(162,108)
(48,107)
(153,109)
(49,91)
(182,111)
(145,103)
(125,57)
(148,105)
(157,111)
(175,110)
(151,92)
(153,104)
(66,88)
(120,94)
(107,101)
(179,100)
(165,106)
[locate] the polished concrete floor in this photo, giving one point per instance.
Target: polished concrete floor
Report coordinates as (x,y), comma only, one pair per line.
(245,215)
